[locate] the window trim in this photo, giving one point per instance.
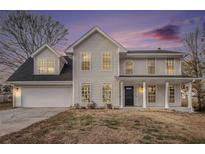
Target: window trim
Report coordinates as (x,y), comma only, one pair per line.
(125,66)
(110,62)
(111,92)
(166,70)
(81,61)
(174,94)
(81,91)
(37,72)
(147,59)
(148,94)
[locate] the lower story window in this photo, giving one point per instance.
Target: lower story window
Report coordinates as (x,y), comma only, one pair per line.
(151,93)
(107,92)
(171,94)
(85,92)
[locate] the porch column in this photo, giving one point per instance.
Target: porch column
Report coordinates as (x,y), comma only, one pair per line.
(144,95)
(122,94)
(167,95)
(190,96)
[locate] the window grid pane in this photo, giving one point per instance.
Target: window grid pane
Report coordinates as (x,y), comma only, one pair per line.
(85,61)
(170,66)
(129,67)
(171,94)
(107,93)
(106,62)
(152,94)
(46,66)
(85,92)
(151,66)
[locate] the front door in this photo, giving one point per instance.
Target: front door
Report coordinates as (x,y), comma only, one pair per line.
(129,96)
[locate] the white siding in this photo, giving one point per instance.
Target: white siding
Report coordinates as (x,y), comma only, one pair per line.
(96,44)
(140,66)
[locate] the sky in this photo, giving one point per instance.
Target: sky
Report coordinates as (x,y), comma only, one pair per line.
(133,29)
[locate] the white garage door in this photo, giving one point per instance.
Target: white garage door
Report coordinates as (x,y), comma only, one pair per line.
(46,96)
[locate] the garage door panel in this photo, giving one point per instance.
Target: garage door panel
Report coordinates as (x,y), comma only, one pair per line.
(46,96)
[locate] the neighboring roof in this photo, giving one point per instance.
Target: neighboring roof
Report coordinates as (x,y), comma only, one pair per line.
(154,51)
(89,33)
(25,73)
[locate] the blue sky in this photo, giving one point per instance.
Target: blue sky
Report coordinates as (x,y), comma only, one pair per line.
(133,29)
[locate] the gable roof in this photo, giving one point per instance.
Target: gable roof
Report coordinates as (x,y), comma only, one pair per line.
(154,51)
(51,49)
(89,33)
(25,72)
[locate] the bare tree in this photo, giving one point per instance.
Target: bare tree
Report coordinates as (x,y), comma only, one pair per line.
(194,62)
(22,33)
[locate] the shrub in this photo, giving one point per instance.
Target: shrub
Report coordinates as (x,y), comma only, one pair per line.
(109,106)
(76,106)
(91,105)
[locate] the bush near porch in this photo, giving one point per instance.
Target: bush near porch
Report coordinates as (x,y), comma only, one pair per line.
(114,126)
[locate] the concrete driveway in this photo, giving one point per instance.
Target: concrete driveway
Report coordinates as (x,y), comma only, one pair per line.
(16,119)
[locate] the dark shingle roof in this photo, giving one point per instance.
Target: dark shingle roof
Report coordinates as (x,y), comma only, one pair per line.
(25,73)
(158,76)
(153,51)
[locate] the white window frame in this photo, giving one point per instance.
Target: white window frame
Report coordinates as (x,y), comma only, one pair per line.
(147,60)
(167,68)
(110,61)
(111,92)
(46,60)
(148,94)
(125,66)
(81,61)
(81,85)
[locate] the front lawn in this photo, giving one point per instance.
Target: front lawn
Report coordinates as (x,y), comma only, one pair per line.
(114,126)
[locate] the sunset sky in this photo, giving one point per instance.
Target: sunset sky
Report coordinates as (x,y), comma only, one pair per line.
(133,29)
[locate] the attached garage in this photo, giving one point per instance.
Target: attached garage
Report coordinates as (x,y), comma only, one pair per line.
(46,96)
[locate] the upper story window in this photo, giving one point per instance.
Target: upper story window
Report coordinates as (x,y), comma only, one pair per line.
(46,66)
(151,66)
(170,66)
(129,67)
(106,61)
(85,61)
(107,92)
(85,92)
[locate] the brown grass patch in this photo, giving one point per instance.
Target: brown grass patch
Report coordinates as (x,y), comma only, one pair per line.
(6,106)
(114,126)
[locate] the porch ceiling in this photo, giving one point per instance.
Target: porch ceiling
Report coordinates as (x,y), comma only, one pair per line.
(156,79)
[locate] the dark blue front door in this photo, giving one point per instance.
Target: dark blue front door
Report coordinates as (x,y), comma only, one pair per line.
(129,96)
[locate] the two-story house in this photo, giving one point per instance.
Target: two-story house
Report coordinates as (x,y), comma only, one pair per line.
(97,68)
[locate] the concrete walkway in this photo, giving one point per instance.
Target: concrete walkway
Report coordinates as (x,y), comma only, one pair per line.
(16,119)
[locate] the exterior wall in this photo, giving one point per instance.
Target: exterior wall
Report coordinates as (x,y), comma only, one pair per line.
(96,44)
(140,66)
(160,96)
(46,53)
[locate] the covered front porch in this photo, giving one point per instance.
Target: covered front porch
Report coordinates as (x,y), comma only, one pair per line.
(153,92)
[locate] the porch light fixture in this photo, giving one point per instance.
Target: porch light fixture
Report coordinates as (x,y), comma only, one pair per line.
(141,89)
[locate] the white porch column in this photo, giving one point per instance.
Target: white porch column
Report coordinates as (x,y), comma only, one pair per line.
(122,94)
(167,95)
(190,96)
(144,95)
